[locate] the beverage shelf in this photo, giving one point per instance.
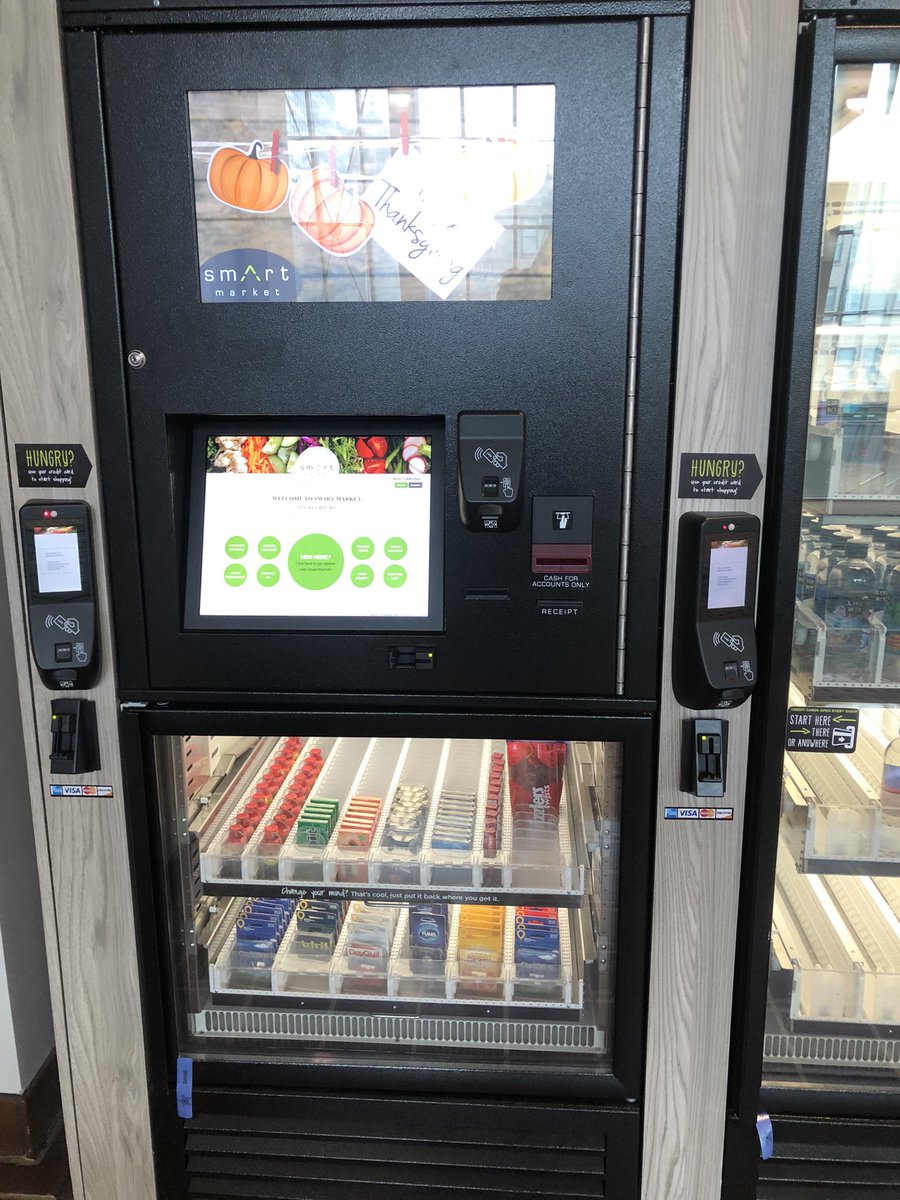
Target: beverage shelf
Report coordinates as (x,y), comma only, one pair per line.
(835,947)
(845,829)
(827,668)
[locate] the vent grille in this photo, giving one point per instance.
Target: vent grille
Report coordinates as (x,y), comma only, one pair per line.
(809,1050)
(432,1031)
(831,1160)
(352,1148)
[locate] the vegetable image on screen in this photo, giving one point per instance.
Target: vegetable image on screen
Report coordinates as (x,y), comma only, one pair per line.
(301,511)
(248,181)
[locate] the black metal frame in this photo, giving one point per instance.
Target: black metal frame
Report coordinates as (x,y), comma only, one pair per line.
(665,136)
(105,14)
(822,45)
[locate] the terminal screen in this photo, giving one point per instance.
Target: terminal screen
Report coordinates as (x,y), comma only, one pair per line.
(317,529)
(57,560)
(728,562)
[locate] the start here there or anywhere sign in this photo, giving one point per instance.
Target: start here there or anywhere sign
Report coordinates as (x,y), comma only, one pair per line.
(340,527)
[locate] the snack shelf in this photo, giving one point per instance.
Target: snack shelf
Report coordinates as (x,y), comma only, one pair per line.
(533,863)
(836,946)
(342,979)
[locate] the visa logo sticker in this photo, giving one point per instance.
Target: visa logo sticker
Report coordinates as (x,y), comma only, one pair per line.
(698,814)
(80,789)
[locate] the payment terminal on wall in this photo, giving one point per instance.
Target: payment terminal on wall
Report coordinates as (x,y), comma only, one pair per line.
(59,582)
(714,662)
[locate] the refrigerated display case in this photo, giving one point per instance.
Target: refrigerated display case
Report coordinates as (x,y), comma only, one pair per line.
(825,897)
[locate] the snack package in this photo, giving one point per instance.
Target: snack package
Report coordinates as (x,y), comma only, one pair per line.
(535,783)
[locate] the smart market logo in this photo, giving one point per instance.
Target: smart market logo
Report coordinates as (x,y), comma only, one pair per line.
(247,277)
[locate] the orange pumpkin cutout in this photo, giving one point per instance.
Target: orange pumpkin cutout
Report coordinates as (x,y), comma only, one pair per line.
(329,215)
(246,181)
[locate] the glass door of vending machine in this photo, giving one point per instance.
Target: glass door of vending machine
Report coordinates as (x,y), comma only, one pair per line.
(394,910)
(830,1044)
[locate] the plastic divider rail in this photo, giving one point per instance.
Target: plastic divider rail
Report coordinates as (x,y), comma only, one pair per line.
(222,859)
(377,780)
(260,861)
(462,770)
(827,964)
(423,766)
(337,781)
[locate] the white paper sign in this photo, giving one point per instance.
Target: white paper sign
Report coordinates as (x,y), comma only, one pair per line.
(438,245)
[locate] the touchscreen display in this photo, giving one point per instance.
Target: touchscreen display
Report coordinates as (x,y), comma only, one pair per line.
(317,527)
(728,561)
(56,556)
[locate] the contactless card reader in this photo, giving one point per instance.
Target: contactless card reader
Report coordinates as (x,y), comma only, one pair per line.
(491,457)
(59,581)
(714,662)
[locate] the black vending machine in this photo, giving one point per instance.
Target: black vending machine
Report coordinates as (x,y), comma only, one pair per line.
(380,311)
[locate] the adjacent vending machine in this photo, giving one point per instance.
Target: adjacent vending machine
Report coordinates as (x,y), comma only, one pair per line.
(818,987)
(380,323)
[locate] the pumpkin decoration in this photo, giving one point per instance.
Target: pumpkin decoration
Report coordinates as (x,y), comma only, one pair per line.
(332,217)
(246,181)
(498,174)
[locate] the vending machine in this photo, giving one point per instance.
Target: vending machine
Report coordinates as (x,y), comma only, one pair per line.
(817,1009)
(379,310)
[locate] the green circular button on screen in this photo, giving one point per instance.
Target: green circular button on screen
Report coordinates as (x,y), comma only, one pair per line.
(395,547)
(363,548)
(236,547)
(268,575)
(315,562)
(235,575)
(361,576)
(269,547)
(394,576)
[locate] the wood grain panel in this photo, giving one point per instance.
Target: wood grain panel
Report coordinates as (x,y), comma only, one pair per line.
(82,850)
(739,119)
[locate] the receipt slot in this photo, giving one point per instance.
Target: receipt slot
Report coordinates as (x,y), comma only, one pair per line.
(714,663)
(59,583)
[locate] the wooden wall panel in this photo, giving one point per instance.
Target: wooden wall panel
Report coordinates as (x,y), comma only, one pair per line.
(81,844)
(738,127)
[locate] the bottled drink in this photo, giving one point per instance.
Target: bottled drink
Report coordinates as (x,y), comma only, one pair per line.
(831,551)
(890,780)
(891,618)
(850,602)
(807,541)
(860,395)
(884,562)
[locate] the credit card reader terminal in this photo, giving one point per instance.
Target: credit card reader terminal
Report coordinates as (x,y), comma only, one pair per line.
(59,583)
(714,662)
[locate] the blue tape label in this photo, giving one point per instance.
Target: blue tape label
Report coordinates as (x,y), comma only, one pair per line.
(184,1087)
(766,1136)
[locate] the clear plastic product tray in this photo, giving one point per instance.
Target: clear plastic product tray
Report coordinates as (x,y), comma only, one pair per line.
(375,768)
(400,977)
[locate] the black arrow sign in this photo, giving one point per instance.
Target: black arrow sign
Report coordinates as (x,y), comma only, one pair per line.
(718,476)
(43,465)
